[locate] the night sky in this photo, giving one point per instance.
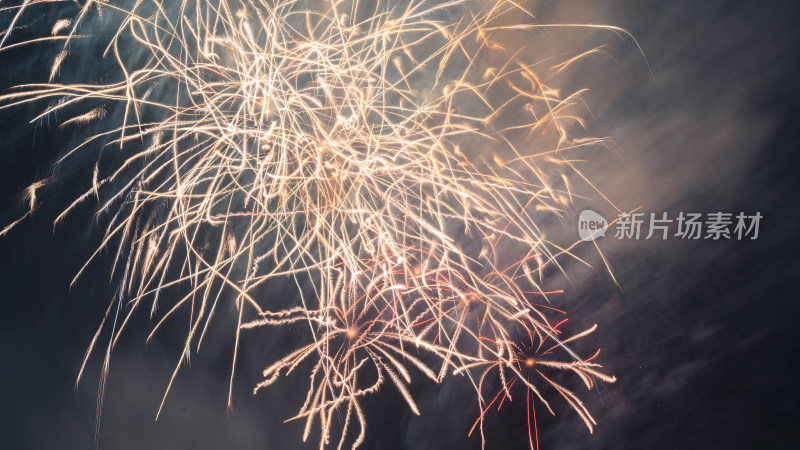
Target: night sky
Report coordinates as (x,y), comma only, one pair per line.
(702,335)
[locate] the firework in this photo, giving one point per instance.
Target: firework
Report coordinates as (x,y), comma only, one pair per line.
(344,145)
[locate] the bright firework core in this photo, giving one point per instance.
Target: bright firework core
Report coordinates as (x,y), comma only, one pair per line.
(395,161)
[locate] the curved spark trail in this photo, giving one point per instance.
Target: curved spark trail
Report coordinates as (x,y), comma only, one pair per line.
(343,145)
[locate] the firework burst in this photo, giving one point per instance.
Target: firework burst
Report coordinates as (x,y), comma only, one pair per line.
(343,145)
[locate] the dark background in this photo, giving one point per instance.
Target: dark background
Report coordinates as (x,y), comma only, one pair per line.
(702,335)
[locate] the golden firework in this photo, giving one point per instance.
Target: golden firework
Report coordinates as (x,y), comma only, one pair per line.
(394,160)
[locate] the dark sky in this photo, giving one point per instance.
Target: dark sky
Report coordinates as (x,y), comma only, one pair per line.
(702,336)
